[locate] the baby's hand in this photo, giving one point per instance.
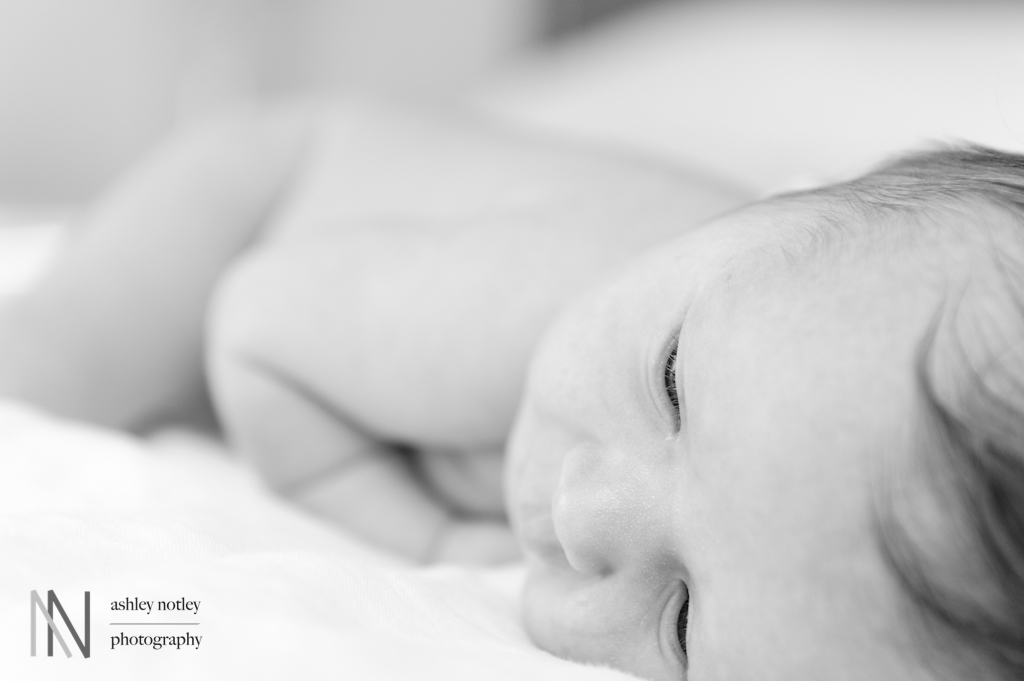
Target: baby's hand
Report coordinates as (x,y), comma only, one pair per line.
(313,455)
(379,495)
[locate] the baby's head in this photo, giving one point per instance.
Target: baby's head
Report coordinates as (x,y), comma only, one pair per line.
(792,439)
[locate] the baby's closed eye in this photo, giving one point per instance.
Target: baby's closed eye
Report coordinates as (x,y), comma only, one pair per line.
(670,384)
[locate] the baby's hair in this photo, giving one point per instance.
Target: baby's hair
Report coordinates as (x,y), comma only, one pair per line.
(966,593)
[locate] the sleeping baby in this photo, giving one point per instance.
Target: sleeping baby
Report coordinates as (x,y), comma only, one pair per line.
(780,443)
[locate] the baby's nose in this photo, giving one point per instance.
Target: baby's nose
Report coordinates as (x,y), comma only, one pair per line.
(606,509)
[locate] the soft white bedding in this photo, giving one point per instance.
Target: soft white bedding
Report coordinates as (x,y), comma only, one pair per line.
(281,595)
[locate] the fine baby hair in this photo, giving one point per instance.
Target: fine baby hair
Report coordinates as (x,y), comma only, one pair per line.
(964,581)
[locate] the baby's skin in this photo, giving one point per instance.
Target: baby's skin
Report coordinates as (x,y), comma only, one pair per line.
(359,289)
(693,450)
(694,468)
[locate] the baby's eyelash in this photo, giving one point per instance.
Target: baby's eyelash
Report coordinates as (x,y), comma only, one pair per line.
(683,623)
(670,378)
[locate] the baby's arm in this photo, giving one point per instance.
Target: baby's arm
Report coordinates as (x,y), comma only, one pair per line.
(399,303)
(114,333)
(395,299)
(325,351)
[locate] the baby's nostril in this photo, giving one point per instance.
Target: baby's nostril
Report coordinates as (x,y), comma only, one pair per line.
(567,538)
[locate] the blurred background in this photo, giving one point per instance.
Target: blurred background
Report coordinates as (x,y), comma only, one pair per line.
(759,90)
(86,86)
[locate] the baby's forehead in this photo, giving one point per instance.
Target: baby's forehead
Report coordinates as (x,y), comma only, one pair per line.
(835,233)
(817,255)
(955,268)
(803,241)
(810,262)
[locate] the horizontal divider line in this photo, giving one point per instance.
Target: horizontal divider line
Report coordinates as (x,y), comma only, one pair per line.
(151,624)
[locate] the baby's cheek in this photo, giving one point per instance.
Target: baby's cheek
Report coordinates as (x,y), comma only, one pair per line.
(470,481)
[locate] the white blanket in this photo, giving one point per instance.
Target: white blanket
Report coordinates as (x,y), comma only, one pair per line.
(280,594)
